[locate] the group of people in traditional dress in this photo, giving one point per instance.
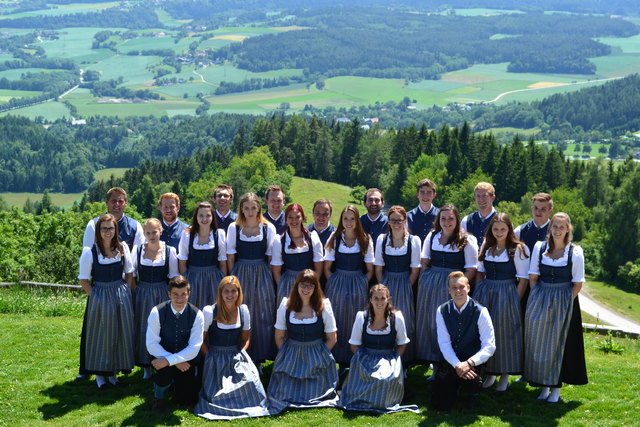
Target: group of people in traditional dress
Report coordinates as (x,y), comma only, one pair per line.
(201,306)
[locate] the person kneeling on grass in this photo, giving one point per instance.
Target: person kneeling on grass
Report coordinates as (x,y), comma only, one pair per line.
(174,338)
(466,339)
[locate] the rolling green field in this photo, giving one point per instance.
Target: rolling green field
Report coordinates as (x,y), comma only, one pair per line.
(64,200)
(7,94)
(49,110)
(105,174)
(306,191)
(64,9)
(75,44)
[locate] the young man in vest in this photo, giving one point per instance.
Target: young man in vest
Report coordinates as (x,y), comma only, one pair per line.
(321,224)
(174,337)
(466,339)
(374,221)
(223,200)
(477,222)
(129,230)
(536,230)
(274,198)
(420,220)
(172,227)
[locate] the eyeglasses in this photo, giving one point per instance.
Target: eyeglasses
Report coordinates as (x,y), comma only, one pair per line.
(223,196)
(108,229)
(396,221)
(306,286)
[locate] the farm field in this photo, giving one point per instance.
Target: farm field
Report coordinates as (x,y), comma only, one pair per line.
(7,94)
(49,110)
(105,174)
(63,200)
(88,105)
(64,9)
(75,44)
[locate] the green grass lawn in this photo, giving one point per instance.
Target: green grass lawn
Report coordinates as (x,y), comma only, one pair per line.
(625,303)
(58,199)
(49,110)
(306,191)
(40,333)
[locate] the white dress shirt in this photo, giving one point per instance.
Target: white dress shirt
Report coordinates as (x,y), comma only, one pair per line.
(186,354)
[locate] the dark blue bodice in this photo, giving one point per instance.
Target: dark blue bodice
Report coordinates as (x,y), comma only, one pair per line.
(477,225)
(463,327)
(379,342)
(347,262)
(374,228)
(151,274)
(305,331)
(500,270)
(297,261)
(175,332)
(530,234)
(454,260)
(171,233)
(396,263)
(224,223)
(106,272)
(203,257)
(279,223)
(324,234)
(549,274)
(224,337)
(252,250)
(421,223)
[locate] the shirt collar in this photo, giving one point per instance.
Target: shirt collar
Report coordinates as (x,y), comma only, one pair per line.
(175,311)
(222,216)
(463,305)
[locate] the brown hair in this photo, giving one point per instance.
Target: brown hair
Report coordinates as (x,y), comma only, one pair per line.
(275,188)
(373,190)
(294,303)
(178,282)
(246,198)
(459,237)
(490,243)
(223,187)
(222,314)
(153,222)
(485,186)
(114,244)
(426,182)
(388,310)
(195,227)
(322,202)
(398,210)
(567,237)
(543,197)
(361,236)
(116,190)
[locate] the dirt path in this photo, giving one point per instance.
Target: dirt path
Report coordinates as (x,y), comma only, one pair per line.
(497,98)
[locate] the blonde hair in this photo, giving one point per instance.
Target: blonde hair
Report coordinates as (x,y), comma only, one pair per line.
(241,221)
(485,186)
(222,314)
(153,222)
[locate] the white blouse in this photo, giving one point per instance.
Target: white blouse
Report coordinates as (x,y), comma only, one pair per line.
(470,249)
(243,310)
(401,330)
(390,250)
(327,317)
(276,258)
(231,237)
(577,260)
(86,261)
(173,259)
(330,254)
(183,246)
(521,263)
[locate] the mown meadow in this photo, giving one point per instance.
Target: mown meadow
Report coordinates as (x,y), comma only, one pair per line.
(40,342)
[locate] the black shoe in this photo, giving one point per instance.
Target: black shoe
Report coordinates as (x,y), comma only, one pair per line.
(81,377)
(159,405)
(473,403)
(104,386)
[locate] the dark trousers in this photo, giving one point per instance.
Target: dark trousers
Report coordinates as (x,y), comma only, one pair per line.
(448,386)
(186,384)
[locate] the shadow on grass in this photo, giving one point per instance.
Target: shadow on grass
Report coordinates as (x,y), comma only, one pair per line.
(72,396)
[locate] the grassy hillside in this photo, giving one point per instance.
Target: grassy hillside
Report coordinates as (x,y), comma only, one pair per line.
(306,191)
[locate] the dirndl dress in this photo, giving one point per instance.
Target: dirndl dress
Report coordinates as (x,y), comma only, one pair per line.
(106,344)
(293,264)
(259,294)
(304,373)
(347,290)
(498,292)
(231,387)
(203,273)
(375,382)
(433,292)
(396,277)
(150,291)
(549,319)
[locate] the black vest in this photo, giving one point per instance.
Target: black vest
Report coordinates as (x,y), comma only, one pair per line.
(530,234)
(175,332)
(463,327)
